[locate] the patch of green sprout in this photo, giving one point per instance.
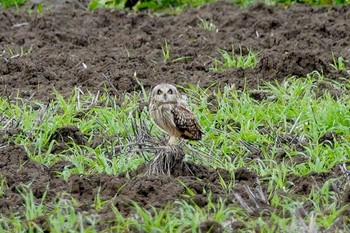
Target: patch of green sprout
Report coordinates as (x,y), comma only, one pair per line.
(12,3)
(183,58)
(166,51)
(339,63)
(3,186)
(232,60)
(32,209)
(170,6)
(13,53)
(127,51)
(37,10)
(110,120)
(176,6)
(166,48)
(116,4)
(206,24)
(293,101)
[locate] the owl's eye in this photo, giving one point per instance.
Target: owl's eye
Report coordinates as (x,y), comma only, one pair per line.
(170,92)
(159,92)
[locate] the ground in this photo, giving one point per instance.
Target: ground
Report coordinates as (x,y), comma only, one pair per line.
(67,46)
(71,46)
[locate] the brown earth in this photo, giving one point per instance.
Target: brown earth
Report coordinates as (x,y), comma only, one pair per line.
(148,191)
(74,47)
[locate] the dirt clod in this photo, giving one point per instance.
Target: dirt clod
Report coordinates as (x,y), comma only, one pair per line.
(210,226)
(64,136)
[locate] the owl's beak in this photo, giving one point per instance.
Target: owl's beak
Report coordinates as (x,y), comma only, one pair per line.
(165,97)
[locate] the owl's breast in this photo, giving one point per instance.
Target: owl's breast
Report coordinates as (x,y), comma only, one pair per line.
(164,118)
(164,113)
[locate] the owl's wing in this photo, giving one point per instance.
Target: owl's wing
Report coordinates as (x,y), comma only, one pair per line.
(186,122)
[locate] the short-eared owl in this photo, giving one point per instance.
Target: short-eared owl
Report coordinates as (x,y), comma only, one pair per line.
(172,114)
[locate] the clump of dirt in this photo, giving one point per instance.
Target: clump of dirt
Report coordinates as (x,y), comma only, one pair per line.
(294,160)
(303,185)
(329,138)
(210,226)
(8,135)
(260,95)
(69,46)
(17,170)
(322,87)
(65,135)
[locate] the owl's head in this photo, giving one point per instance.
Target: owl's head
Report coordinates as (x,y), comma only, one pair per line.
(164,93)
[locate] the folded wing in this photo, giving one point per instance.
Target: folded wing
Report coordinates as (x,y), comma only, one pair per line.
(186,122)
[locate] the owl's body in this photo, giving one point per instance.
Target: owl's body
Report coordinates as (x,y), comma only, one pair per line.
(172,114)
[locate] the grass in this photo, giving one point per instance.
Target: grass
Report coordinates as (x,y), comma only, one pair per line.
(339,63)
(291,110)
(170,6)
(173,6)
(176,6)
(12,3)
(232,60)
(166,51)
(11,53)
(206,24)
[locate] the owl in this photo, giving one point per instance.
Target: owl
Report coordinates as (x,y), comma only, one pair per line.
(173,115)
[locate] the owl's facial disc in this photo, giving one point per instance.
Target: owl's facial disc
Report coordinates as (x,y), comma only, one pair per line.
(165,93)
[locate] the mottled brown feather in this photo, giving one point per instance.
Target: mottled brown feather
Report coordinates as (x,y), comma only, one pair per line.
(186,122)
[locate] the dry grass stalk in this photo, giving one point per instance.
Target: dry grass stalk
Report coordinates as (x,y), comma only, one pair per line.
(164,161)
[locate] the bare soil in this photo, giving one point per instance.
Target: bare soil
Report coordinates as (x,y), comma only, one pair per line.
(71,46)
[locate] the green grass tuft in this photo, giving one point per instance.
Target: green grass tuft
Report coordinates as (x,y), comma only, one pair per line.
(233,60)
(12,3)
(339,63)
(206,24)
(176,6)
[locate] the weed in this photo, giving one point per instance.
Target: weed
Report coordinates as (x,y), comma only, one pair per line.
(234,60)
(3,186)
(206,25)
(32,210)
(17,54)
(170,6)
(95,4)
(10,3)
(184,58)
(339,63)
(166,51)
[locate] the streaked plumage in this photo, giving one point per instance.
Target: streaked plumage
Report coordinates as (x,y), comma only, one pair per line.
(173,115)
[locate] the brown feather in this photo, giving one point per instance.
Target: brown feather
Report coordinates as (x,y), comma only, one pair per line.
(186,122)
